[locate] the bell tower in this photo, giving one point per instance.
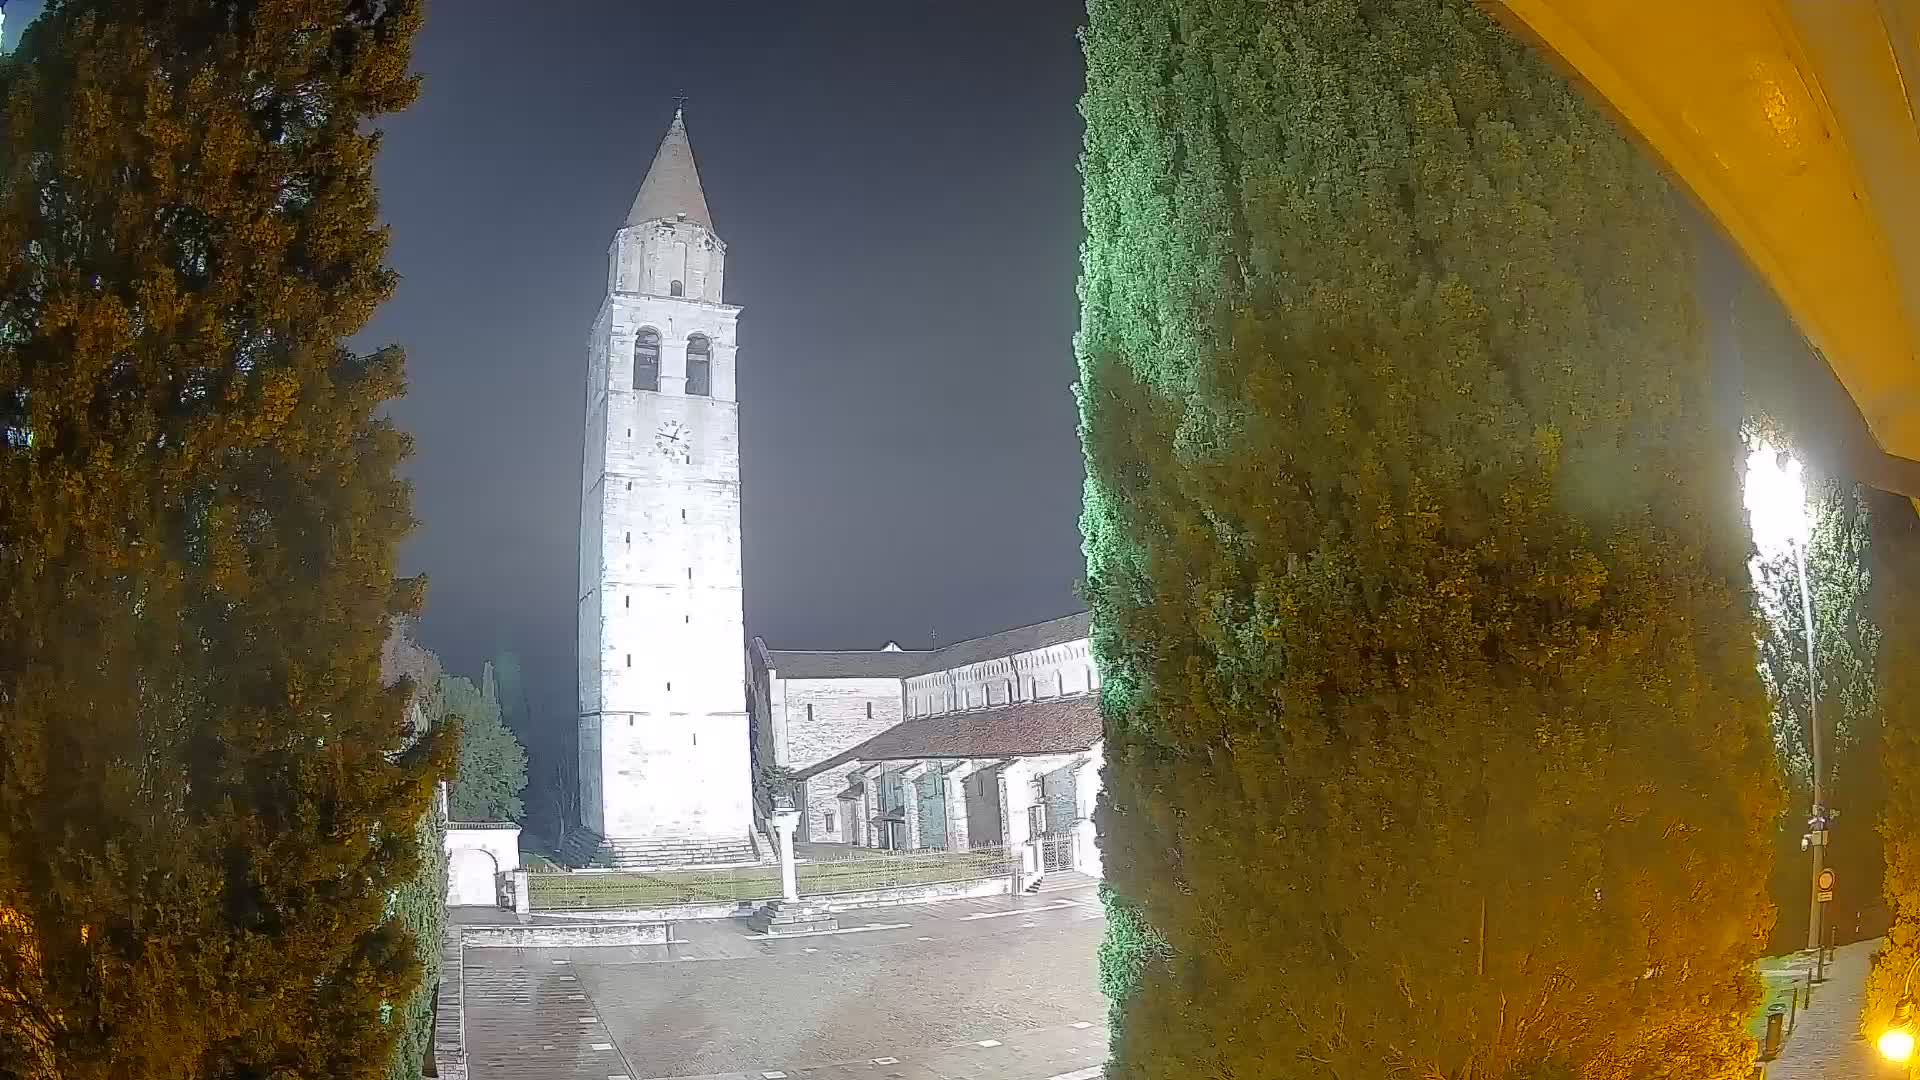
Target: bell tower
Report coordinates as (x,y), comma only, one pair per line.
(664,758)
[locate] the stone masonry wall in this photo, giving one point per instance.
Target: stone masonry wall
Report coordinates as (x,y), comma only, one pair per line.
(1055,671)
(821,718)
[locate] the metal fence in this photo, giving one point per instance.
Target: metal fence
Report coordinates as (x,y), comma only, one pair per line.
(894,869)
(857,870)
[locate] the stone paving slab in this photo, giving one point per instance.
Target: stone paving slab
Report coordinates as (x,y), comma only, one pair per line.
(921,986)
(1827,1043)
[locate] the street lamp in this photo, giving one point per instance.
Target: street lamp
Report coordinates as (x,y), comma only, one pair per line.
(1896,1043)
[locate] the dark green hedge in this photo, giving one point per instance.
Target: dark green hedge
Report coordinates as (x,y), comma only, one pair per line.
(1435,742)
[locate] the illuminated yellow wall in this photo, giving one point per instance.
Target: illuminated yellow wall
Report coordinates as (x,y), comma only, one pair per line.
(1794,123)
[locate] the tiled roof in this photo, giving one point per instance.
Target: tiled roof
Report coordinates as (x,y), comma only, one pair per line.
(1025,728)
(850,664)
(1020,639)
(896,664)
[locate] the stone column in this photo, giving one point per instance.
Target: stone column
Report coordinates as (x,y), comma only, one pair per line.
(910,802)
(673,363)
(1016,795)
(1086,785)
(785,821)
(955,782)
(870,806)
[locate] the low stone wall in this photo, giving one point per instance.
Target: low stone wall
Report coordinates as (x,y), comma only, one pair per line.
(900,895)
(450,1012)
(550,936)
(726,909)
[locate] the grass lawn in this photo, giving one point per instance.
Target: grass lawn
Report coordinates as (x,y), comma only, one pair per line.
(578,891)
(1777,980)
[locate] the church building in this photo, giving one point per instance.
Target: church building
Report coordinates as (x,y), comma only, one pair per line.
(685,743)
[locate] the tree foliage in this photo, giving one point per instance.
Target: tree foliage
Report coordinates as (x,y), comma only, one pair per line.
(1896,608)
(492,775)
(1435,741)
(420,903)
(1846,644)
(206,792)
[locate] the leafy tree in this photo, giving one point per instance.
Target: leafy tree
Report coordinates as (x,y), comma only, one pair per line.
(492,773)
(206,793)
(1435,741)
(1845,644)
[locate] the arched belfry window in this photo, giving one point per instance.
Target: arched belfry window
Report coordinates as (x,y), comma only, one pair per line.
(699,366)
(646,360)
(676,289)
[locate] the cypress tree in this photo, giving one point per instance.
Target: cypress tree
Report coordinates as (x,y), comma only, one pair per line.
(207,795)
(1896,608)
(1435,741)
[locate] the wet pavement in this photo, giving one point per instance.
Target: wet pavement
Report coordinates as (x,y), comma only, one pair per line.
(1003,988)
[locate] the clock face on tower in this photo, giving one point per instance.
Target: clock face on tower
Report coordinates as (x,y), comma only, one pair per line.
(672,442)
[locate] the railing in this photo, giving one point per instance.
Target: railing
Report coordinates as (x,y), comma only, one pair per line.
(859,870)
(887,870)
(662,888)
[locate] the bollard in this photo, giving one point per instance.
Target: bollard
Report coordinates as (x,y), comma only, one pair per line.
(1776,1031)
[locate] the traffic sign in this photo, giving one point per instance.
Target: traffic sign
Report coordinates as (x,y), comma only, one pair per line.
(1826,880)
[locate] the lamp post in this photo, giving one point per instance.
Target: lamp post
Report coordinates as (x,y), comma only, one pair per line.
(1776,499)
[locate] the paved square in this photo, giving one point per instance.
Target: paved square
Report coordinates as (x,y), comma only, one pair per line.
(1003,988)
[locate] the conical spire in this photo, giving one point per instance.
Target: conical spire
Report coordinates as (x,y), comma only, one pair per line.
(672,186)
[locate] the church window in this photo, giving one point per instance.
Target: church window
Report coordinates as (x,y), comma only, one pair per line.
(629,659)
(676,289)
(809,714)
(699,366)
(683,513)
(826,817)
(869,710)
(626,601)
(646,361)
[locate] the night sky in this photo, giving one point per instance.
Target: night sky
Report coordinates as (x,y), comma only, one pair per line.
(895,181)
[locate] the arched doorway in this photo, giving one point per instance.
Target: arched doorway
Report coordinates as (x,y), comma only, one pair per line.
(472,878)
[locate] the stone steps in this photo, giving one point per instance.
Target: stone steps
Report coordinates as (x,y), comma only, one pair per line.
(661,853)
(777,917)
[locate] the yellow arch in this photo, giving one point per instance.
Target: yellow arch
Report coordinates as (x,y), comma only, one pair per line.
(1794,123)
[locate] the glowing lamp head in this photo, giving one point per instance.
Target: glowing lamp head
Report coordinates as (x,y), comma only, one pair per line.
(1896,1044)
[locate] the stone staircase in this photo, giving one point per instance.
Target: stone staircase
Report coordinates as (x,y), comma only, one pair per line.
(584,849)
(777,917)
